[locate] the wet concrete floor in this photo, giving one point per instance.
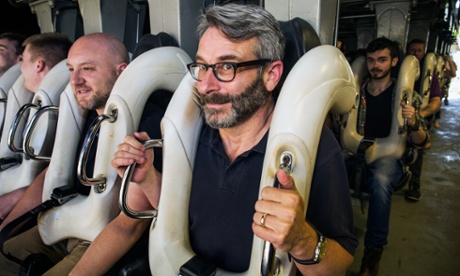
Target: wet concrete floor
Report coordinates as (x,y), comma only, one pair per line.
(424,236)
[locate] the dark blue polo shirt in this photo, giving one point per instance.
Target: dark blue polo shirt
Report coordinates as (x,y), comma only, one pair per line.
(223,196)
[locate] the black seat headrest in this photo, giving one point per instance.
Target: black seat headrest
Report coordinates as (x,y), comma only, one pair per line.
(150,41)
(300,38)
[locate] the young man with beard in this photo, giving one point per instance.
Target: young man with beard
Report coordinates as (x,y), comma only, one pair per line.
(10,50)
(237,67)
(95,61)
(41,53)
(374,120)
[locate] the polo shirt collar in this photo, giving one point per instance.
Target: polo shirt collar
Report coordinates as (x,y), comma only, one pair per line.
(211,137)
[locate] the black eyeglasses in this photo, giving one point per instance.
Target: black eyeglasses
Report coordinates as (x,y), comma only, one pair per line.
(223,71)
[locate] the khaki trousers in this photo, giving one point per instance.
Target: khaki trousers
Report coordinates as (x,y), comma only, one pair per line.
(64,254)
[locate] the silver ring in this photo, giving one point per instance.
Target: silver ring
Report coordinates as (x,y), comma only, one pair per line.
(262,219)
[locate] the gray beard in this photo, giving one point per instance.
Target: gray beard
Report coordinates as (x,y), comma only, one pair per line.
(244,105)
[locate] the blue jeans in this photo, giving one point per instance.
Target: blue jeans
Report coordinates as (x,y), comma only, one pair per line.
(383,175)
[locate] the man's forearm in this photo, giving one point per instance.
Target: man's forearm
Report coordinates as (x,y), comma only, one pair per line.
(110,245)
(432,107)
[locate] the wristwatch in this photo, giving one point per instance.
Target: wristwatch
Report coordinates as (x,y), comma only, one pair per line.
(320,252)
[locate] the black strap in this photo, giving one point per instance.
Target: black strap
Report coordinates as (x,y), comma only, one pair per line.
(32,214)
(59,196)
(197,267)
(6,163)
(359,176)
(365,143)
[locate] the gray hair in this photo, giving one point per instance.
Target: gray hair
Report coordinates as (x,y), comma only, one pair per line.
(243,22)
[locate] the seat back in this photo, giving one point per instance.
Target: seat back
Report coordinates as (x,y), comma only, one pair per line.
(300,38)
(393,145)
(304,89)
(6,81)
(85,216)
(40,141)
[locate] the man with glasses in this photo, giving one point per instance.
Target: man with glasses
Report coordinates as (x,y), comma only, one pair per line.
(238,66)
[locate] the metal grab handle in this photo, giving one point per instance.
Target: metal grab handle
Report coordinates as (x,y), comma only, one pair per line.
(15,124)
(28,150)
(123,202)
(405,99)
(268,266)
(84,153)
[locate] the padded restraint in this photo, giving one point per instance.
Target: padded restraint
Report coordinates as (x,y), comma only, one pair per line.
(426,75)
(440,70)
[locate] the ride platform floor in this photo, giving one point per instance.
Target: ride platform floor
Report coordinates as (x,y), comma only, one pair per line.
(424,236)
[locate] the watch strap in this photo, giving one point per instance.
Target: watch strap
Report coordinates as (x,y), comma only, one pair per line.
(320,252)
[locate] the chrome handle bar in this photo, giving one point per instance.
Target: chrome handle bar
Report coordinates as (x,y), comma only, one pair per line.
(269,267)
(29,150)
(123,202)
(84,153)
(405,99)
(15,124)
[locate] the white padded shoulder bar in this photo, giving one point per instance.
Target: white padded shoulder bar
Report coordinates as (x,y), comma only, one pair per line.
(426,76)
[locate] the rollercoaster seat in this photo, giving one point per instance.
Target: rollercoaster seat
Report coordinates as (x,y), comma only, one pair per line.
(169,245)
(92,210)
(365,150)
(24,116)
(86,215)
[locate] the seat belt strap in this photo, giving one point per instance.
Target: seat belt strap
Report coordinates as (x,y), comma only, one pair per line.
(364,144)
(59,196)
(360,175)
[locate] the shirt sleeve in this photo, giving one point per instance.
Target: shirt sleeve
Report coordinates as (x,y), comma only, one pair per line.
(435,88)
(329,207)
